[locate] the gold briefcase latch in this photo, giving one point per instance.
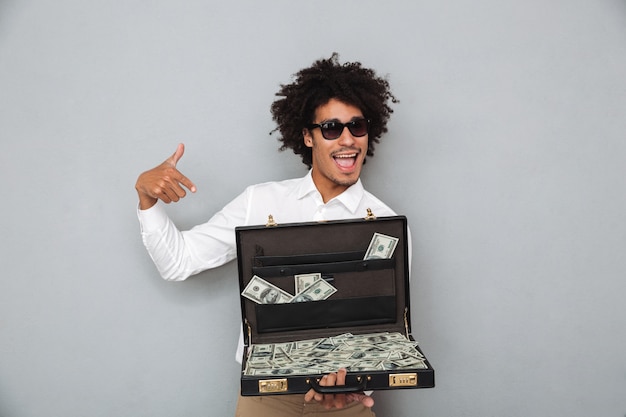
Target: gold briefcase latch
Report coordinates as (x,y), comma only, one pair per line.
(403,380)
(268,386)
(270,221)
(370,215)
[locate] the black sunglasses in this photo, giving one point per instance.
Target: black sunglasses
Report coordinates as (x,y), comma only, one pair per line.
(332,130)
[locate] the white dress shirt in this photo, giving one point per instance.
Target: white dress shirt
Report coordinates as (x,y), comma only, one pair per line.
(178,255)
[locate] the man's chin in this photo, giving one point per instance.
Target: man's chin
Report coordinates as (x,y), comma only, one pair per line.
(346,180)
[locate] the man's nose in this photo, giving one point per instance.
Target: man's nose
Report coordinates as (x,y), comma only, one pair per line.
(346,137)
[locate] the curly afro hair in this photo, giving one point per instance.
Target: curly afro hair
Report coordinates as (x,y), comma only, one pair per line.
(328,79)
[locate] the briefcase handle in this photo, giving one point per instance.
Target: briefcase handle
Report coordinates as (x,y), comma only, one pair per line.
(339,389)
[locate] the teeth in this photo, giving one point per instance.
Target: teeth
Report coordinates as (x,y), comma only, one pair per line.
(345,156)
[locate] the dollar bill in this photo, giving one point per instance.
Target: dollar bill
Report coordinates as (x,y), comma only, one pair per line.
(285,347)
(381,247)
(319,290)
(262,292)
(272,372)
(307,344)
(265,350)
(281,358)
(303,281)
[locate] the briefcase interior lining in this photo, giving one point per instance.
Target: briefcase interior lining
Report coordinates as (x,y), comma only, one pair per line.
(371,294)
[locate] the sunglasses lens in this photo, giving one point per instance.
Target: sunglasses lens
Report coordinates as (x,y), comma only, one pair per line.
(331,130)
(358,127)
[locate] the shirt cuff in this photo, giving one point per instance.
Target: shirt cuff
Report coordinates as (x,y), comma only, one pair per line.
(153,219)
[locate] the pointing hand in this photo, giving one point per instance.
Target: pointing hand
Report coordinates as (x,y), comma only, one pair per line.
(163,182)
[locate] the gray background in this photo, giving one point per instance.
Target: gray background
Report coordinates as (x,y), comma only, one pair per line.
(506,153)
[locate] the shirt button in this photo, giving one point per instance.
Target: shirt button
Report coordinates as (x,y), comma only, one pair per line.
(319,214)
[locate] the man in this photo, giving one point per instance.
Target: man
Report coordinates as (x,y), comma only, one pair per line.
(331,115)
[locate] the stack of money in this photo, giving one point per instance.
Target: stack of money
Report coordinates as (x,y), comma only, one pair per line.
(309,287)
(356,353)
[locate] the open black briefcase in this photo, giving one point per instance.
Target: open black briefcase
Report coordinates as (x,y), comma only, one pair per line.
(298,328)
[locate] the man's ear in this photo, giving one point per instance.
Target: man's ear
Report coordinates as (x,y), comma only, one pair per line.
(307,137)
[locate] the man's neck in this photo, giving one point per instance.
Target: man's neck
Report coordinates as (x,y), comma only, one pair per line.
(328,189)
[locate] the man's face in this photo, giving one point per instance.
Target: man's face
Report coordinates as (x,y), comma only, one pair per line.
(336,163)
(271,297)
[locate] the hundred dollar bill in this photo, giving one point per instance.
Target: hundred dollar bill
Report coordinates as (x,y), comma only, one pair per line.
(307,344)
(262,292)
(369,364)
(263,350)
(377,338)
(285,347)
(258,362)
(281,358)
(411,362)
(272,372)
(319,290)
(303,281)
(381,247)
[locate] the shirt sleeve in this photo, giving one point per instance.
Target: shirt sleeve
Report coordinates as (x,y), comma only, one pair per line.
(180,254)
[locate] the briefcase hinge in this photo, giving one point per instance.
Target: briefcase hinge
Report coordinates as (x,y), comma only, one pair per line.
(403,380)
(267,386)
(406,321)
(249,331)
(370,215)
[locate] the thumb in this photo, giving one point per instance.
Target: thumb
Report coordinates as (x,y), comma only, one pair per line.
(177,155)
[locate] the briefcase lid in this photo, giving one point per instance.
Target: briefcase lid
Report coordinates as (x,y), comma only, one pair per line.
(372,294)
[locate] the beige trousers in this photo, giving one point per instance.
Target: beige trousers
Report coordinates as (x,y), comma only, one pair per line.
(294,405)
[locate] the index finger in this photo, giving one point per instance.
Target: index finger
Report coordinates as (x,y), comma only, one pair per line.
(187,183)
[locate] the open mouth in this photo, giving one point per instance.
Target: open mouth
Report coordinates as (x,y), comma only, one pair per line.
(346,161)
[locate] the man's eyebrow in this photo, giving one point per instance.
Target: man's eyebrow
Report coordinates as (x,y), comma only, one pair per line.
(335,120)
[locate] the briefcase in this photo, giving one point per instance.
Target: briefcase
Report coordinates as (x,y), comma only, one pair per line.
(319,296)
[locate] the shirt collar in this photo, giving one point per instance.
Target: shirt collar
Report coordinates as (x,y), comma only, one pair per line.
(350,198)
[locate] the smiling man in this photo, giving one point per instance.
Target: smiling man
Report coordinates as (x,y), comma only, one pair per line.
(331,115)
(339,145)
